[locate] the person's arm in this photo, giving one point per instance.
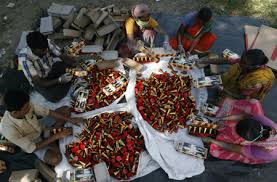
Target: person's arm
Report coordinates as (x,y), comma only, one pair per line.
(259,153)
(227,146)
(51,139)
(266,121)
(59,116)
(180,34)
(69,60)
(46,142)
(45,83)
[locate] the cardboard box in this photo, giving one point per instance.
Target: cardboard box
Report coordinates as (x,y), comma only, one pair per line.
(132,64)
(46,25)
(92,49)
(267,42)
(24,175)
(22,42)
(109,55)
(251,34)
(60,10)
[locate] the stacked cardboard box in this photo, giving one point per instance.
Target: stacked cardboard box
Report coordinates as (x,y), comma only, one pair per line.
(264,38)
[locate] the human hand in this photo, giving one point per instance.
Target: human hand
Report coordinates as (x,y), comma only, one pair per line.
(65,78)
(181,48)
(64,133)
(76,121)
(167,46)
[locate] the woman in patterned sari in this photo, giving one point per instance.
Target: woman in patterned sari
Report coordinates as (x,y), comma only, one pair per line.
(245,134)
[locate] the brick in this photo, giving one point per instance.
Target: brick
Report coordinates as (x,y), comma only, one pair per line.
(22,42)
(69,21)
(120,19)
(106,29)
(92,49)
(93,14)
(124,10)
(114,40)
(109,55)
(60,10)
(108,20)
(46,25)
(101,18)
(100,41)
(90,32)
(81,20)
(71,33)
(107,7)
(57,22)
(116,11)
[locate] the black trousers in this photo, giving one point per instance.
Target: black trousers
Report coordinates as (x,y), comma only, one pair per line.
(56,92)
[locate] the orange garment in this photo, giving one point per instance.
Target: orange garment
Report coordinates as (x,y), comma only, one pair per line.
(204,44)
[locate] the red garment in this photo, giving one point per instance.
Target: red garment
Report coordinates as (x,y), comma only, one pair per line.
(204,44)
(228,134)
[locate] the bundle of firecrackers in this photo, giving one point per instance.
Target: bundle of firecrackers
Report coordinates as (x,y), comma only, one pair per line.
(151,58)
(103,89)
(201,128)
(165,101)
(109,137)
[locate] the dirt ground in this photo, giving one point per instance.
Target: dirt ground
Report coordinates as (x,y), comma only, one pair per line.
(26,14)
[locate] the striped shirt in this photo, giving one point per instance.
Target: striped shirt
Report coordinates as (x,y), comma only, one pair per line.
(33,65)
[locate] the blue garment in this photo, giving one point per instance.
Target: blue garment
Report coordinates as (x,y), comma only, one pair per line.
(189,19)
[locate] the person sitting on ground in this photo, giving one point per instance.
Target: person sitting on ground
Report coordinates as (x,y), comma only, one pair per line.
(245,134)
(140,26)
(21,126)
(44,66)
(194,33)
(249,77)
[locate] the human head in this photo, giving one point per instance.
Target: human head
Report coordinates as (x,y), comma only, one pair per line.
(252,130)
(253,59)
(205,14)
(38,43)
(17,103)
(141,12)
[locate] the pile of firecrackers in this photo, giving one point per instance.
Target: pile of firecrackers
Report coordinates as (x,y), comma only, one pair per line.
(163,100)
(97,80)
(108,137)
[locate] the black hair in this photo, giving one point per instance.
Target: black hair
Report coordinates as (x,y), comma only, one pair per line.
(36,40)
(251,129)
(205,14)
(14,100)
(255,57)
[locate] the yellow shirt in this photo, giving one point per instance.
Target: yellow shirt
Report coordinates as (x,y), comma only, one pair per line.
(24,132)
(131,26)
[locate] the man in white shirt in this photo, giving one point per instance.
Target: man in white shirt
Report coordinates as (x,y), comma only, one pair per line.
(20,126)
(44,66)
